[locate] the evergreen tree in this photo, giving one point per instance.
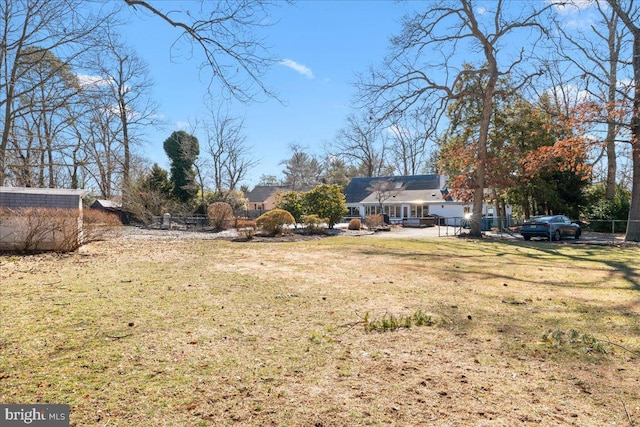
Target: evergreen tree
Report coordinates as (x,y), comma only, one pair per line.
(158,180)
(183,150)
(326,201)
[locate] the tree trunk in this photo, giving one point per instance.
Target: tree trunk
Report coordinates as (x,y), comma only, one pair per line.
(481,161)
(4,142)
(633,226)
(126,164)
(612,128)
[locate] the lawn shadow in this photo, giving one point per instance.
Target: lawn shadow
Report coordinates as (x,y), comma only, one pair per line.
(542,251)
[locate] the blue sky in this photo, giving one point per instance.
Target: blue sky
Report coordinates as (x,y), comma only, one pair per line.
(326,44)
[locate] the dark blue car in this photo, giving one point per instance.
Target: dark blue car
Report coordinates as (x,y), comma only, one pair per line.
(555,227)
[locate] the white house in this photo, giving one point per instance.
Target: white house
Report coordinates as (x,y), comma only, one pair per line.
(405,198)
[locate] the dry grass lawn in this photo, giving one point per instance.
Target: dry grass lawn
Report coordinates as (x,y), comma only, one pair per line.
(173,332)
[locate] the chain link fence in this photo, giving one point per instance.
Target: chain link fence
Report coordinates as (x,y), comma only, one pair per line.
(180,222)
(603,230)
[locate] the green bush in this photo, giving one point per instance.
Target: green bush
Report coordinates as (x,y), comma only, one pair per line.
(355,224)
(326,201)
(292,202)
(273,222)
(314,224)
(602,211)
(220,215)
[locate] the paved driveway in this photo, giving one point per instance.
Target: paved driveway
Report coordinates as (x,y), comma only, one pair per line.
(442,231)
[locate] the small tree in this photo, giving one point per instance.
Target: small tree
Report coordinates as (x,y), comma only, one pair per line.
(152,195)
(326,201)
(292,202)
(383,190)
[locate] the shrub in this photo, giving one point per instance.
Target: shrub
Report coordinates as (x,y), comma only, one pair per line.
(98,217)
(96,223)
(41,229)
(246,228)
(220,215)
(604,213)
(374,221)
(314,224)
(273,222)
(355,224)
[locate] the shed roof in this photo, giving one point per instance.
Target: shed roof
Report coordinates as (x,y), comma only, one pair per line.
(29,197)
(50,191)
(108,204)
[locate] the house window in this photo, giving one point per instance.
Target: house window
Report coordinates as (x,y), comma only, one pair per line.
(372,210)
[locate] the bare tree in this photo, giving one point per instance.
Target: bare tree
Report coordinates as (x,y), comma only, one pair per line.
(96,129)
(383,190)
(629,14)
(427,58)
(37,143)
(596,55)
(301,170)
(123,78)
(362,143)
(29,28)
(410,137)
(226,35)
(230,156)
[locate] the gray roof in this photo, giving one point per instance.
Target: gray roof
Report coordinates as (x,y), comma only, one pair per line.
(409,188)
(261,193)
(50,191)
(109,204)
(29,197)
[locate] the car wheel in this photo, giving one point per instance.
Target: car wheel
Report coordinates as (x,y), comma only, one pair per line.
(557,236)
(527,238)
(578,232)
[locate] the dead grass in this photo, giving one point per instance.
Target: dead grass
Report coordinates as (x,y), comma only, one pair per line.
(197,333)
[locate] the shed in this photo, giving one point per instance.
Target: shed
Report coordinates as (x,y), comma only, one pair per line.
(113,207)
(24,228)
(28,197)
